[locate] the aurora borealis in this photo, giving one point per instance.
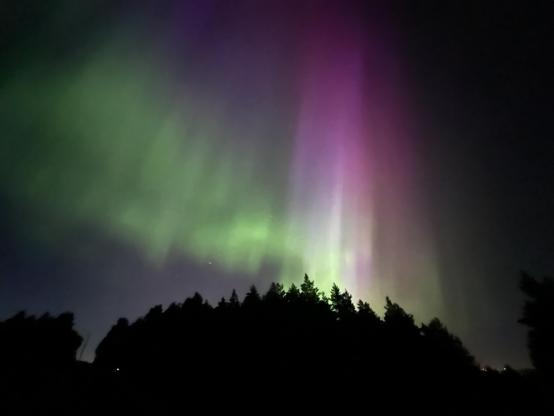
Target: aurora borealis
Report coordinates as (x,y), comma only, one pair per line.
(256,139)
(138,149)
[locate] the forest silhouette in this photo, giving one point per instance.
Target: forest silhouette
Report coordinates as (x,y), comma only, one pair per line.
(286,350)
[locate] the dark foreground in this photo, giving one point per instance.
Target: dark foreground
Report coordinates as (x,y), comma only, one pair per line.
(283,351)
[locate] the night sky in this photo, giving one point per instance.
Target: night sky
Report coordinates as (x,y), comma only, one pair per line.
(150,149)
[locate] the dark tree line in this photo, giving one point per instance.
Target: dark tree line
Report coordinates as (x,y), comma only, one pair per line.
(538,315)
(45,341)
(285,350)
(37,363)
(297,338)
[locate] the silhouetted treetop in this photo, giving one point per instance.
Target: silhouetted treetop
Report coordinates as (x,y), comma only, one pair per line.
(309,292)
(252,298)
(46,341)
(538,315)
(341,303)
